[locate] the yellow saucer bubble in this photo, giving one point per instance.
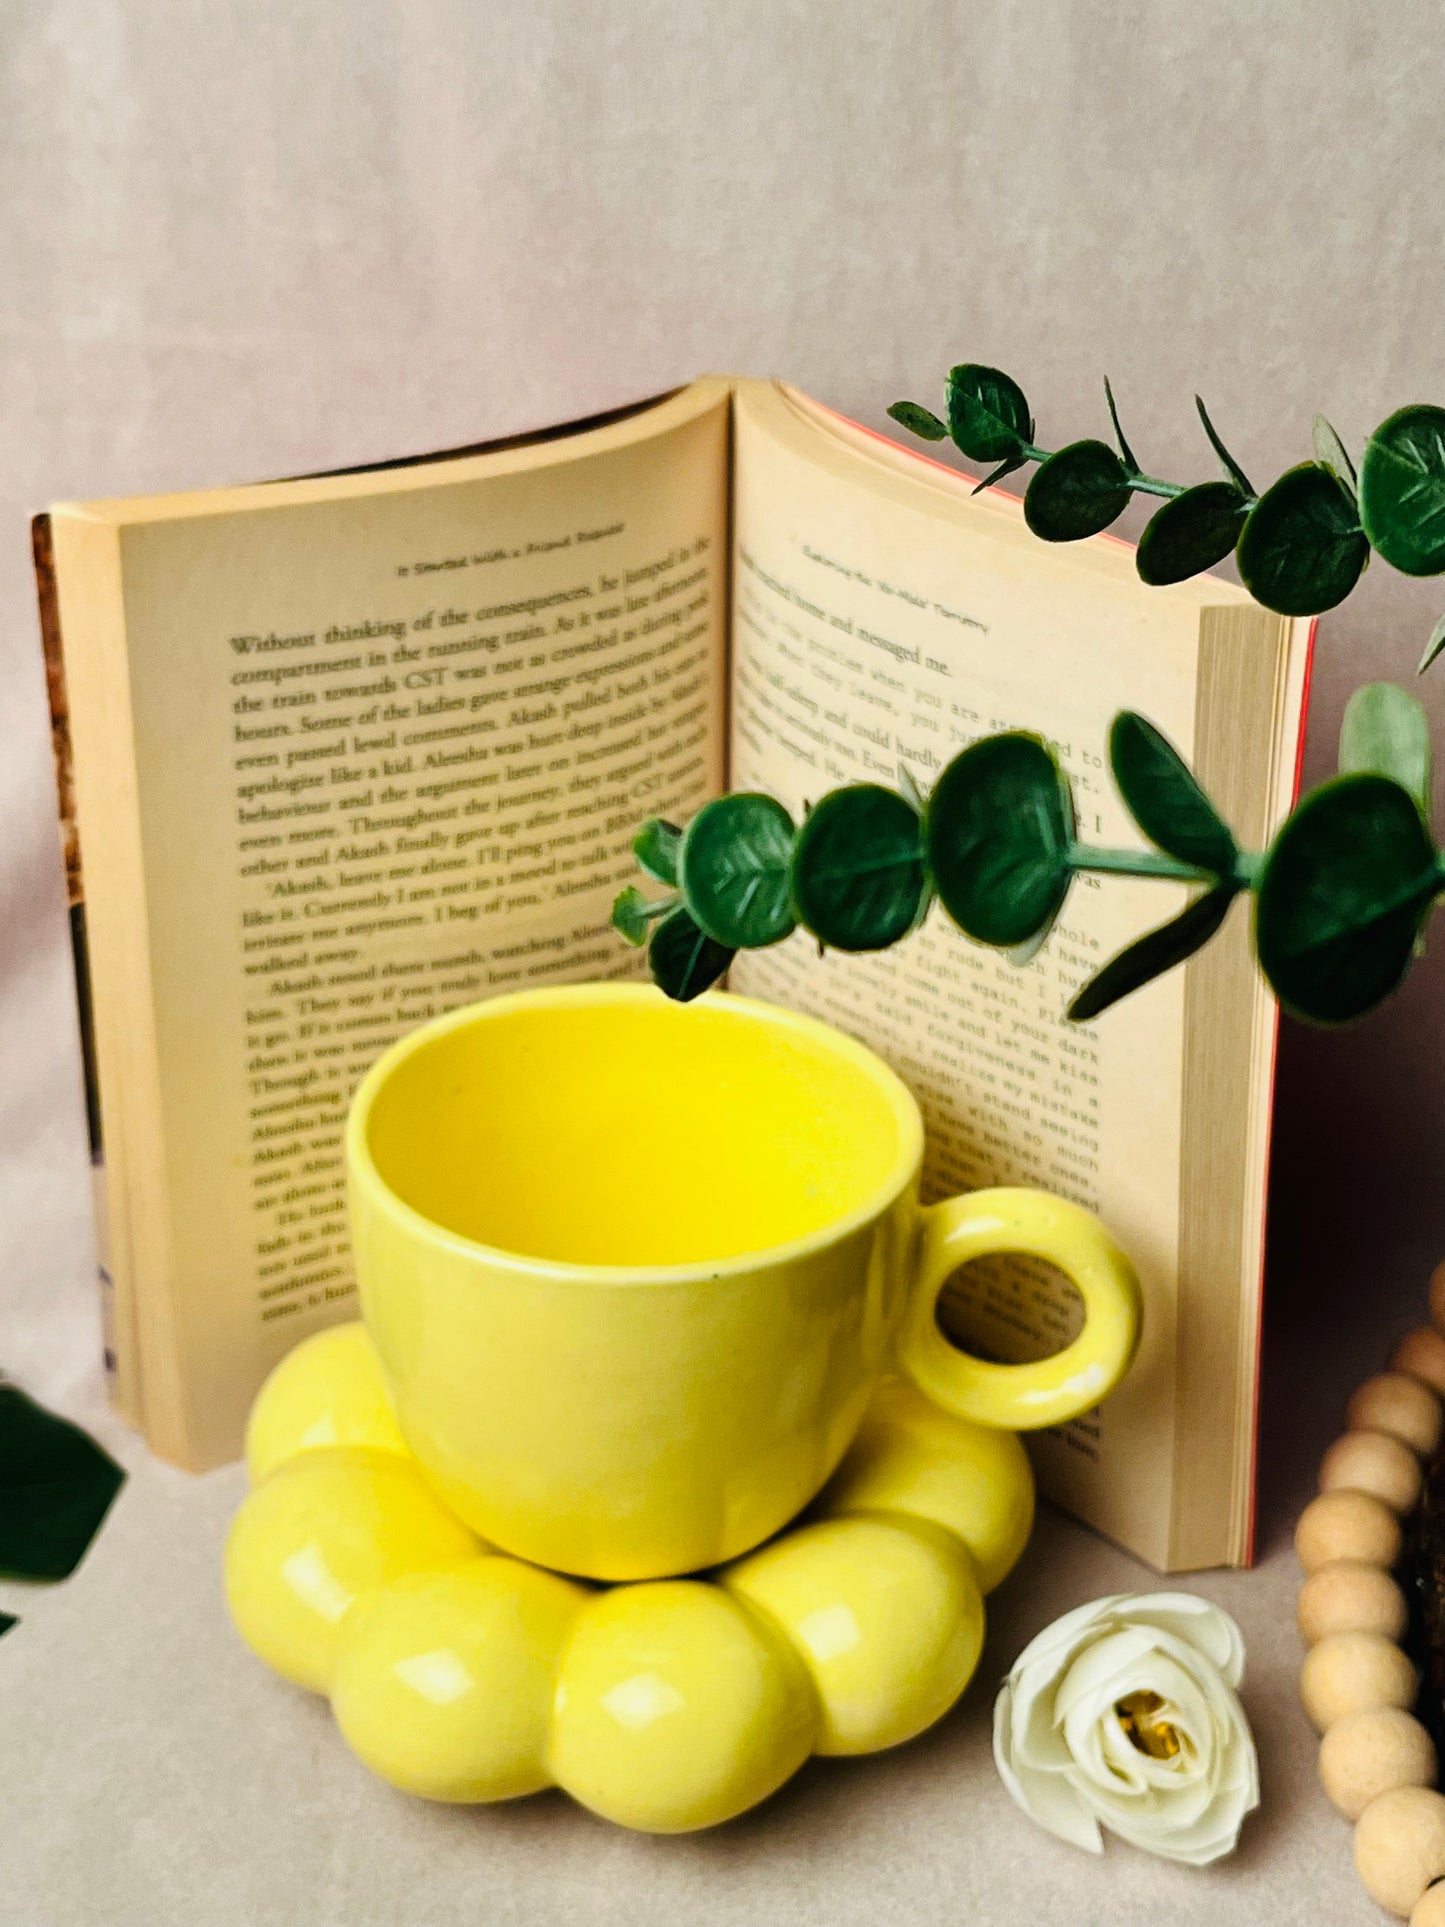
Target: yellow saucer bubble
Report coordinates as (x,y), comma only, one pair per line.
(886,1613)
(443,1680)
(677,1708)
(323,1530)
(328,1391)
(909,1456)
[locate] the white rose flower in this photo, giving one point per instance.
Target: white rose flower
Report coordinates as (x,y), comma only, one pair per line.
(1125,1713)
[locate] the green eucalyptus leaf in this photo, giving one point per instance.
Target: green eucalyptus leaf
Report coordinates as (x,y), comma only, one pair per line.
(629,915)
(7,1620)
(56,1486)
(1077,492)
(1432,647)
(919,420)
(1341,897)
(655,847)
(734,867)
(1231,467)
(685,960)
(1164,796)
(1385,731)
(858,876)
(1160,950)
(1191,532)
(998,834)
(1402,489)
(995,476)
(1124,448)
(988,416)
(1301,549)
(1331,453)
(1022,954)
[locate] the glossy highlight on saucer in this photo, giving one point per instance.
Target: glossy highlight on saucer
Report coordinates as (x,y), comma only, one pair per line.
(462,1675)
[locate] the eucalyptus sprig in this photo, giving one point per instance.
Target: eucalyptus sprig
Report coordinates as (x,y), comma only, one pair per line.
(1340,896)
(1301,545)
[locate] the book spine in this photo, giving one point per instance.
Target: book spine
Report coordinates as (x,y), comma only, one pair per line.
(44,557)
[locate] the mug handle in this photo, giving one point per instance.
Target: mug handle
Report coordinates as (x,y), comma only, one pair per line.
(1021,1398)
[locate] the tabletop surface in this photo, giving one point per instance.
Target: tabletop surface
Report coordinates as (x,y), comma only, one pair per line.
(152,1772)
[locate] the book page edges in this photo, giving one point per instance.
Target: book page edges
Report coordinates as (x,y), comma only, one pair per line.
(1250,704)
(120,1357)
(93,622)
(514,455)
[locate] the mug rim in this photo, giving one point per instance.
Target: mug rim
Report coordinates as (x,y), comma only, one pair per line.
(362,1172)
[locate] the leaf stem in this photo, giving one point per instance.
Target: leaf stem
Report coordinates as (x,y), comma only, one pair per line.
(1137,863)
(1142,484)
(1151,485)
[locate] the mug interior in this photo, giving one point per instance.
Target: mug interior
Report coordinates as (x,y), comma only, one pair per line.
(628,1131)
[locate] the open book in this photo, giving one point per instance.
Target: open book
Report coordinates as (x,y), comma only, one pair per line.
(350,750)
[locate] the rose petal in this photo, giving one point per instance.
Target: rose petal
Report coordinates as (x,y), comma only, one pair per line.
(1199,1623)
(1047,1647)
(1046,1796)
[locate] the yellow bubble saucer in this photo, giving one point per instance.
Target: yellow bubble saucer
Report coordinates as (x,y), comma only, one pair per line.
(461,1674)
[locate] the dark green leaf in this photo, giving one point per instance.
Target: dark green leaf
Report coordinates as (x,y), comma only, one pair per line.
(1153,954)
(734,868)
(1342,895)
(7,1620)
(1076,493)
(56,1485)
(1432,647)
(995,476)
(1331,453)
(1231,467)
(998,832)
(918,420)
(1301,550)
(1124,448)
(685,961)
(988,417)
(1191,532)
(858,878)
(655,847)
(1164,797)
(1402,489)
(1385,731)
(629,915)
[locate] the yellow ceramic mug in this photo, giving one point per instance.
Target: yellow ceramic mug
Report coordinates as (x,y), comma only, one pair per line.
(634,1269)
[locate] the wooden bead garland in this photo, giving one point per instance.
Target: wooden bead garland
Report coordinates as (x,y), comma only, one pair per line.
(1350,1672)
(1378,1765)
(1409,1411)
(1367,1753)
(1400,1846)
(1349,1596)
(1374,1462)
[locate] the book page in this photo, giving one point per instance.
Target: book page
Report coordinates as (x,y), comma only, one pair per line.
(390,752)
(883,617)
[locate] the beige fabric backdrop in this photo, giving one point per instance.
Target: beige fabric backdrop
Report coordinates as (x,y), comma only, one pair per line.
(245,237)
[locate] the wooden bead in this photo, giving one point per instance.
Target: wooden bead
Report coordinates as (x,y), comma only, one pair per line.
(1421,1354)
(1392,1402)
(1347,1596)
(1347,1525)
(1373,1462)
(1430,1912)
(1348,1672)
(1437,1297)
(1400,1847)
(1369,1753)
